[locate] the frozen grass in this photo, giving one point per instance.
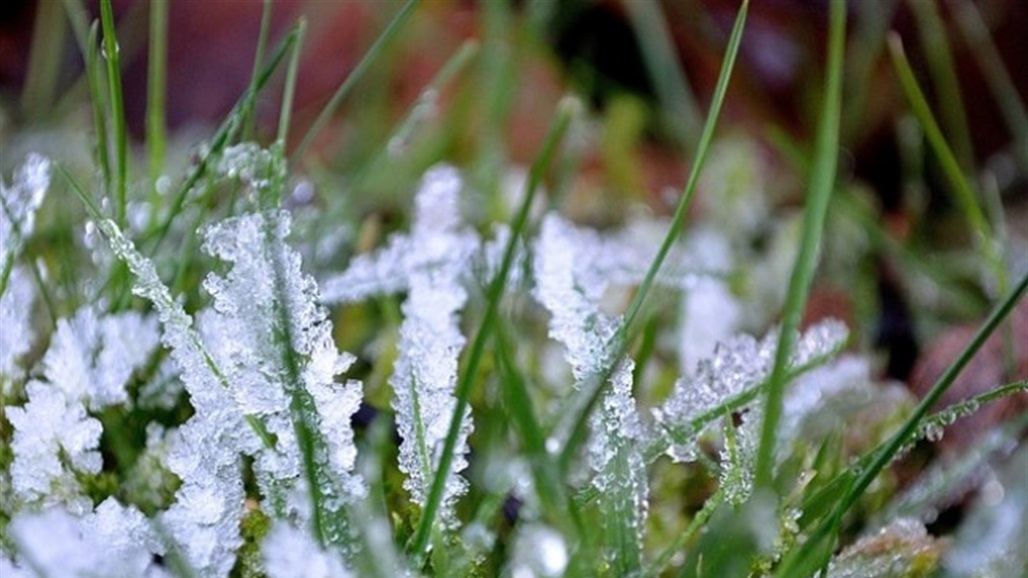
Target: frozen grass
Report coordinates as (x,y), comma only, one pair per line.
(545,426)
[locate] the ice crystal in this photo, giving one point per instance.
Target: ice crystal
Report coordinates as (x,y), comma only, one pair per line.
(539,552)
(291,553)
(431,264)
(737,367)
(17,334)
(114,541)
(91,358)
(18,205)
(587,333)
(48,430)
(275,344)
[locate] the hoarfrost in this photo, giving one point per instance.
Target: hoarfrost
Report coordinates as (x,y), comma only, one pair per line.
(587,333)
(48,428)
(539,552)
(17,335)
(19,203)
(737,367)
(91,358)
(291,553)
(114,541)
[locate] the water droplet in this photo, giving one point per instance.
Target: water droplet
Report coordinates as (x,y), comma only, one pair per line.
(103,50)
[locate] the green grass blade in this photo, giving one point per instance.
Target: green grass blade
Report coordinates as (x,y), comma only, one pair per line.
(358,71)
(929,400)
(814,553)
(566,111)
(959,183)
(676,99)
(98,96)
(290,86)
(222,137)
(1011,105)
(258,58)
(939,55)
(44,63)
(591,394)
(822,182)
(156,91)
(117,111)
(553,496)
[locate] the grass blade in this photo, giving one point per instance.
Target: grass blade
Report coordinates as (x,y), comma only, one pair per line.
(822,182)
(290,87)
(351,80)
(814,553)
(959,183)
(117,111)
(156,91)
(258,58)
(591,394)
(566,112)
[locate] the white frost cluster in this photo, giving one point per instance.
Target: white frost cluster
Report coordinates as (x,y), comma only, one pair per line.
(15,319)
(270,342)
(578,322)
(18,205)
(87,365)
(114,541)
(291,553)
(737,366)
(430,263)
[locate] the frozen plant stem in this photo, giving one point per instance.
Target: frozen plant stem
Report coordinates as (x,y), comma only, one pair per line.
(591,392)
(822,181)
(566,111)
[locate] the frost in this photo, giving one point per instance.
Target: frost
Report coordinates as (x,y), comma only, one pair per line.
(291,553)
(19,203)
(48,430)
(539,552)
(91,358)
(435,237)
(737,367)
(18,206)
(587,333)
(275,344)
(430,263)
(114,541)
(903,548)
(17,335)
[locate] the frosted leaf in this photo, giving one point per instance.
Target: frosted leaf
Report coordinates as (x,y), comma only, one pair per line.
(435,237)
(539,552)
(587,333)
(114,542)
(425,373)
(623,257)
(810,405)
(903,548)
(18,205)
(739,457)
(91,359)
(292,553)
(48,429)
(737,367)
(204,453)
(269,365)
(17,335)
